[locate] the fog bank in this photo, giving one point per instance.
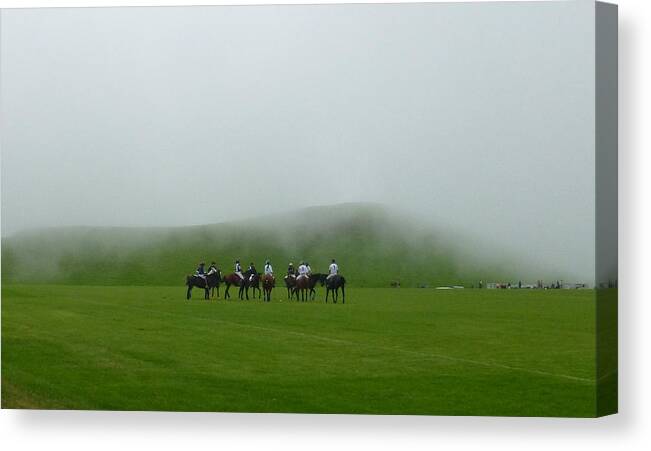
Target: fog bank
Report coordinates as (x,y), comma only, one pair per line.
(478,118)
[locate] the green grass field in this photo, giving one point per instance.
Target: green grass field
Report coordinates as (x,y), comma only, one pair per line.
(390,351)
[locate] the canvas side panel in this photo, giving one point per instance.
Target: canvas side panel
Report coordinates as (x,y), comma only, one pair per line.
(606,205)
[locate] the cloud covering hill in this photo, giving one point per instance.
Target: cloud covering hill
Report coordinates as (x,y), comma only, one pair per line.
(373,246)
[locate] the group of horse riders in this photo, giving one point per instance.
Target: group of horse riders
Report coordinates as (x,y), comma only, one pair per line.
(303,269)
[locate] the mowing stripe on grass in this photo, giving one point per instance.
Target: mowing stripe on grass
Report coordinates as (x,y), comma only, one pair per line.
(424,355)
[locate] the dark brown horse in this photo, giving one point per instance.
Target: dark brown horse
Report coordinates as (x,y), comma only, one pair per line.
(210,282)
(250,281)
(290,283)
(268,284)
(314,279)
(232,279)
(333,284)
(302,288)
(216,285)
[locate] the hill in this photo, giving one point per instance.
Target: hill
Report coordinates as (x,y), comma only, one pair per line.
(372,246)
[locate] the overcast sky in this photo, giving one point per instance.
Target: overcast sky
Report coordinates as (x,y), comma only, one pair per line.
(479,116)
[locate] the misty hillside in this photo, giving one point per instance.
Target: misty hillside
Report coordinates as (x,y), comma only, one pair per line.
(372,246)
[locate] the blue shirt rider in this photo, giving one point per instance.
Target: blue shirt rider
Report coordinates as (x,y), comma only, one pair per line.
(252,271)
(201,270)
(238,269)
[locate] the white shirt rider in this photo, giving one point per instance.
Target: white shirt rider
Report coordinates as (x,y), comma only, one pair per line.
(302,270)
(333,269)
(268,269)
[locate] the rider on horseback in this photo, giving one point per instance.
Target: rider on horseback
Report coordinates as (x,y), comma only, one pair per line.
(302,270)
(333,269)
(291,272)
(201,272)
(309,270)
(267,268)
(252,272)
(238,269)
(212,269)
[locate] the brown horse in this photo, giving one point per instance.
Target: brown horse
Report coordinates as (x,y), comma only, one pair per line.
(302,288)
(268,284)
(232,279)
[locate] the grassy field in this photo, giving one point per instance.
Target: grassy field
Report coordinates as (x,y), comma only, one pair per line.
(393,351)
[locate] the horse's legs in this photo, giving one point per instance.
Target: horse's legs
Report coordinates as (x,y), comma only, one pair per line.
(343,295)
(226,293)
(327,293)
(207,294)
(189,294)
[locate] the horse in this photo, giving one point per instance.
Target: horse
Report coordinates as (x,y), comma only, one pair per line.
(333,284)
(232,279)
(268,284)
(314,279)
(250,281)
(215,286)
(302,287)
(210,282)
(290,284)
